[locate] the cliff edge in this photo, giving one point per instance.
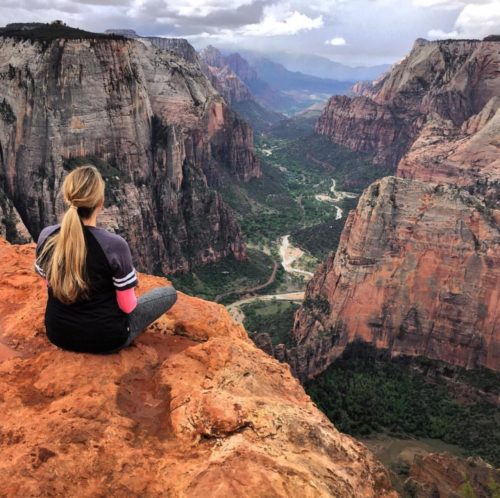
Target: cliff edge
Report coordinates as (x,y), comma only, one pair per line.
(192,409)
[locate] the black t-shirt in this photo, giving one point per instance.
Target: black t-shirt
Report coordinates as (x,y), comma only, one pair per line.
(95,324)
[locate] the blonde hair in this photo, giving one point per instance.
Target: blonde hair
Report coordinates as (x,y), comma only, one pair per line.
(64,255)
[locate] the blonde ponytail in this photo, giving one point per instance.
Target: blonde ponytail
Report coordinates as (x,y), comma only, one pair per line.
(64,255)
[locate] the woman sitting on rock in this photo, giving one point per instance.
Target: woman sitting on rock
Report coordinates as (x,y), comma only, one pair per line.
(92,306)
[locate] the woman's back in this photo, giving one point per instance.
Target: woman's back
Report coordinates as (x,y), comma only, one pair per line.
(94,323)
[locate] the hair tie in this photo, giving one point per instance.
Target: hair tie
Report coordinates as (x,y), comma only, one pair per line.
(72,206)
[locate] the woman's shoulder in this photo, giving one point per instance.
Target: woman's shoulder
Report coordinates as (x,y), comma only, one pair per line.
(46,232)
(109,240)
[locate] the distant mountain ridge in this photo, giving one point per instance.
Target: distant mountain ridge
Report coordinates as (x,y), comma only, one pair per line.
(228,75)
(318,66)
(277,88)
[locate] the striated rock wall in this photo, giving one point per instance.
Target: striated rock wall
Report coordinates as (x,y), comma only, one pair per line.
(417,272)
(154,125)
(468,155)
(178,45)
(446,476)
(453,79)
(192,409)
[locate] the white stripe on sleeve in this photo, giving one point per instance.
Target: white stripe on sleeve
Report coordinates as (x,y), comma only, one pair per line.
(123,284)
(126,277)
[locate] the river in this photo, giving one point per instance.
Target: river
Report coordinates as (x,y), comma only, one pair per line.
(288,255)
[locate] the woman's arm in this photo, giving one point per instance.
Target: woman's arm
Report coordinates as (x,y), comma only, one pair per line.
(127,300)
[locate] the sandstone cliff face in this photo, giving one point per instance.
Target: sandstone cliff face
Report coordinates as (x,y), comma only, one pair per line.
(153,122)
(192,409)
(452,79)
(440,474)
(417,272)
(178,45)
(468,155)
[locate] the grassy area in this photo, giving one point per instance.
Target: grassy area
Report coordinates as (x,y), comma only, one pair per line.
(297,165)
(322,238)
(363,394)
(273,317)
(354,171)
(227,275)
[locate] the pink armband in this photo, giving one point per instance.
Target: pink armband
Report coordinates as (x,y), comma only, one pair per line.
(127,300)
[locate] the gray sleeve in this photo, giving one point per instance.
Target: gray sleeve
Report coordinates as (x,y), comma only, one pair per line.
(117,252)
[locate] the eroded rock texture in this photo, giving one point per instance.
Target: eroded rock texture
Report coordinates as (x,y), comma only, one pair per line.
(468,155)
(192,409)
(150,121)
(446,476)
(453,80)
(417,272)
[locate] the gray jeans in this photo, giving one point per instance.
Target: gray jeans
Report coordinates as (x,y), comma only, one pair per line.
(150,307)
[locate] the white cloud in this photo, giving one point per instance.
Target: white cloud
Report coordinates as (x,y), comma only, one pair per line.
(476,20)
(337,41)
(479,20)
(440,34)
(441,4)
(448,4)
(278,20)
(202,8)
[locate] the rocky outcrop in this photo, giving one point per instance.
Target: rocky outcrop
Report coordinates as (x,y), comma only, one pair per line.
(148,118)
(445,476)
(417,272)
(222,73)
(178,45)
(468,155)
(11,226)
(361,88)
(192,409)
(453,79)
(226,81)
(362,125)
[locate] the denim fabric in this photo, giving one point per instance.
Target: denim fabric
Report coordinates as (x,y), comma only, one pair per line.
(150,307)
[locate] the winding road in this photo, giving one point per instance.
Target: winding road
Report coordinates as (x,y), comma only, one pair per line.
(288,254)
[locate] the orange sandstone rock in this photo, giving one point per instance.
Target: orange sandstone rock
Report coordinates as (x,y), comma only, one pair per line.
(192,409)
(417,272)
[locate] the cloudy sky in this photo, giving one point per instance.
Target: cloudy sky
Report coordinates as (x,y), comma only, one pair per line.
(351,31)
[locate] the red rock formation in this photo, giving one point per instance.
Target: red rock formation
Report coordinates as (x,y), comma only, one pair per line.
(192,409)
(155,126)
(362,125)
(453,79)
(225,80)
(361,88)
(446,476)
(466,155)
(417,272)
